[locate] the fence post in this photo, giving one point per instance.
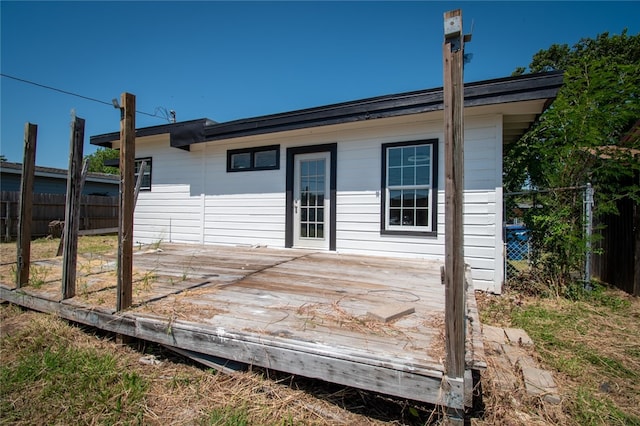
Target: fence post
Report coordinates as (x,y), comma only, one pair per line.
(588,210)
(72,209)
(25,208)
(7,222)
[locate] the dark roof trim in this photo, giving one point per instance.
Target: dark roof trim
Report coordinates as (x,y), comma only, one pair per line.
(510,89)
(181,134)
(489,92)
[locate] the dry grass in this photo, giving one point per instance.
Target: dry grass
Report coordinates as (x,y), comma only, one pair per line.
(592,347)
(177,392)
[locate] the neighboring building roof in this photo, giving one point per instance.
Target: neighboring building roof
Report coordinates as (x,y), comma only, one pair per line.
(490,92)
(16,168)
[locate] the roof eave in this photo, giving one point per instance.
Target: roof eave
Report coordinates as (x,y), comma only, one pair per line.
(180,134)
(505,90)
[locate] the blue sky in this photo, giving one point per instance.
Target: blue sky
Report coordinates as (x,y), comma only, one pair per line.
(231,60)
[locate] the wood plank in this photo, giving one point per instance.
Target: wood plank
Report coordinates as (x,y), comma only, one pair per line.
(392,379)
(389,313)
(453,97)
(25,215)
(127,182)
(72,209)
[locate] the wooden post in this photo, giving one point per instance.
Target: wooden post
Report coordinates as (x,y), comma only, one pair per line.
(26,205)
(7,222)
(127,182)
(72,209)
(636,254)
(453,92)
(143,167)
(83,176)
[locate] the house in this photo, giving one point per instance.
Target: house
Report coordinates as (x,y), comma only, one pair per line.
(49,180)
(365,176)
(98,203)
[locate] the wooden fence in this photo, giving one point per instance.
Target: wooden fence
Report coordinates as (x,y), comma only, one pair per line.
(619,264)
(96,212)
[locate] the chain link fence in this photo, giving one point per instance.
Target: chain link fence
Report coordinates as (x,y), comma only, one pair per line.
(525,245)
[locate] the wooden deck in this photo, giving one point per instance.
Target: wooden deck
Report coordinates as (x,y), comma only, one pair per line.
(302,312)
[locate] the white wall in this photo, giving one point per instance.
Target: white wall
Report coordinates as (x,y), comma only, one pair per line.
(194,199)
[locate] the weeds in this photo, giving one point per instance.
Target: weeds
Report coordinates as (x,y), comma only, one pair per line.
(227,417)
(590,340)
(38,275)
(74,383)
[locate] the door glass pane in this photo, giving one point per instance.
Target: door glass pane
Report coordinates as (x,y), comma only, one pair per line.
(312,194)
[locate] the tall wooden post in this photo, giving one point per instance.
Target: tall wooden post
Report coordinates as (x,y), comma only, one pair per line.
(127,183)
(72,209)
(453,91)
(26,205)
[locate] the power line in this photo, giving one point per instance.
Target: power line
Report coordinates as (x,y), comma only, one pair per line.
(66,92)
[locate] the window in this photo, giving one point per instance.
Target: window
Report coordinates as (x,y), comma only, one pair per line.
(146,177)
(249,159)
(409,187)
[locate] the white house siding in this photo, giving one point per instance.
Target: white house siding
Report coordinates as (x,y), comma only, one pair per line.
(171,210)
(242,207)
(194,199)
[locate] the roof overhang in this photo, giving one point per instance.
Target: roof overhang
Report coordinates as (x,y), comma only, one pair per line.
(541,87)
(181,134)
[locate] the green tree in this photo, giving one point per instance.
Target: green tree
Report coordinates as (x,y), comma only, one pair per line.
(97,159)
(3,158)
(578,141)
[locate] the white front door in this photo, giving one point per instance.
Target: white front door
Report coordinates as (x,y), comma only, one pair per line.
(311,201)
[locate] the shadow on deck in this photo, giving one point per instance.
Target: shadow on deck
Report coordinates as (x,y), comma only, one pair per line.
(314,314)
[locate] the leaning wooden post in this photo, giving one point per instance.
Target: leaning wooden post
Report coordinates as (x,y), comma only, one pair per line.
(127,182)
(26,205)
(72,210)
(83,176)
(453,92)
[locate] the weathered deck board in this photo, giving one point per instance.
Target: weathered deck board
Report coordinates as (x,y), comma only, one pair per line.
(298,311)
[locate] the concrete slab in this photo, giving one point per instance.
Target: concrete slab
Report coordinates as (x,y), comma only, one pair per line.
(518,357)
(540,383)
(494,334)
(518,336)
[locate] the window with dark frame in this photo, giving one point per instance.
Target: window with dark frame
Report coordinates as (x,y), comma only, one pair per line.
(146,177)
(252,159)
(409,187)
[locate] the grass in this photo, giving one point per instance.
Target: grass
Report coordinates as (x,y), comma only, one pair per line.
(45,376)
(590,342)
(55,373)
